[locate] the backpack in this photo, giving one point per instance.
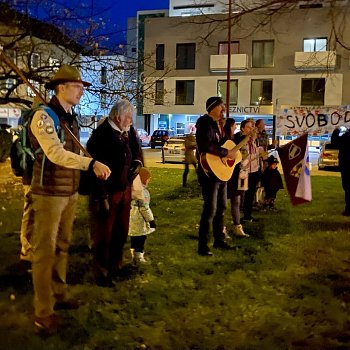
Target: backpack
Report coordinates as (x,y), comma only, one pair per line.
(22,153)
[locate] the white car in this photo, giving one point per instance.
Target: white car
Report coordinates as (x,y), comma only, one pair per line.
(173,150)
(328,156)
(144,137)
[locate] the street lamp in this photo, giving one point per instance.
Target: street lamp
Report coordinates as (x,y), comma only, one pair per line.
(228,78)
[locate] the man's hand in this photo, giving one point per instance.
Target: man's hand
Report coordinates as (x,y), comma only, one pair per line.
(101,171)
(231,154)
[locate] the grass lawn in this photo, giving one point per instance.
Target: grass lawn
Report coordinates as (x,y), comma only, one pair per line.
(285,287)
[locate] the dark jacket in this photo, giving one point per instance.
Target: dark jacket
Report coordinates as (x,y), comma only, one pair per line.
(271,180)
(343,144)
(110,147)
(57,180)
(209,140)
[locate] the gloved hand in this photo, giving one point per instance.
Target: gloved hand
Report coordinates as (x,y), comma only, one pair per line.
(152,224)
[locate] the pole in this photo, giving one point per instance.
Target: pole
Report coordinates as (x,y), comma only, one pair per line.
(12,65)
(228,76)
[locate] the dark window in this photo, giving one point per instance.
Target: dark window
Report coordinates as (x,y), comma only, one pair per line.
(103,100)
(312,91)
(222,88)
(223,47)
(261,92)
(184,92)
(185,56)
(159,92)
(103,75)
(183,7)
(12,54)
(263,51)
(35,60)
(160,56)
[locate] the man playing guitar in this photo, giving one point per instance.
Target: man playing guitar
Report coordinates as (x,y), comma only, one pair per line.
(210,139)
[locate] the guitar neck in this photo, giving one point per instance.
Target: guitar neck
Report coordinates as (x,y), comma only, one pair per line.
(242,143)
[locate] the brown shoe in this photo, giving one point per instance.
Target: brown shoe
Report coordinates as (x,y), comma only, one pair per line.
(46,325)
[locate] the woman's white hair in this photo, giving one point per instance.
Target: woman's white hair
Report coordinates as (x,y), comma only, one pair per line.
(120,108)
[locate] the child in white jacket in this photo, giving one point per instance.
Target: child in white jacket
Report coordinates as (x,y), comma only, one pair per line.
(141,216)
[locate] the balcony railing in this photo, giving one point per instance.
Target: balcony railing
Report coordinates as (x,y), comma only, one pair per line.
(239,63)
(321,60)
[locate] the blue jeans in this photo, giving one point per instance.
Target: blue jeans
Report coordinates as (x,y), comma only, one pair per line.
(215,199)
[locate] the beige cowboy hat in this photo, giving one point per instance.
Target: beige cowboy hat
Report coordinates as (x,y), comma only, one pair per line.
(65,74)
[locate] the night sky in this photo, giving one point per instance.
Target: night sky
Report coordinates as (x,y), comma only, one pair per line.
(120,10)
(111,15)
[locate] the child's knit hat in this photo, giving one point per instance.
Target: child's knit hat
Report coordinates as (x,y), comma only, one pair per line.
(144,175)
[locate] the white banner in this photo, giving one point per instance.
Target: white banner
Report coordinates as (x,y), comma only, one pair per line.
(313,120)
(4,112)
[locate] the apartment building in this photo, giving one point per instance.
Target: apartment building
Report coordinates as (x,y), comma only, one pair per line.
(37,48)
(295,56)
(107,75)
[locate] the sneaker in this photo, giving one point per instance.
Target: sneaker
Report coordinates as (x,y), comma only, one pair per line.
(46,325)
(205,251)
(227,236)
(139,258)
(249,219)
(238,231)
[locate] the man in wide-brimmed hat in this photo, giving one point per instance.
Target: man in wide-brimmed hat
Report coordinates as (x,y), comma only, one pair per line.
(54,194)
(66,74)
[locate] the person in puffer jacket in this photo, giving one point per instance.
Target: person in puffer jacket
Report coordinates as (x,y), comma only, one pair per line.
(141,217)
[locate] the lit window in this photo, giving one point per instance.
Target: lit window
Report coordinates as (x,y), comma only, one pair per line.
(10,83)
(36,85)
(315,44)
(54,63)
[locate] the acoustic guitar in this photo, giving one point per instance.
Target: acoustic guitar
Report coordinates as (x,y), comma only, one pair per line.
(223,168)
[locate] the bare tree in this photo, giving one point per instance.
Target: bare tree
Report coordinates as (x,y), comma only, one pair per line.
(250,16)
(72,35)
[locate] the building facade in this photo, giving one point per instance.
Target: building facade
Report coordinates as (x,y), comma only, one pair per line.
(290,58)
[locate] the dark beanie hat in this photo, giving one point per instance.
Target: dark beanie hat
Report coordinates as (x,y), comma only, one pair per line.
(212,102)
(272,160)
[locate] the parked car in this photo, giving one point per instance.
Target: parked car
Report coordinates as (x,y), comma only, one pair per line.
(174,150)
(144,137)
(159,137)
(328,156)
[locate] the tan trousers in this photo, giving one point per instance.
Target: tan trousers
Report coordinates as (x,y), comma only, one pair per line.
(53,224)
(27,224)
